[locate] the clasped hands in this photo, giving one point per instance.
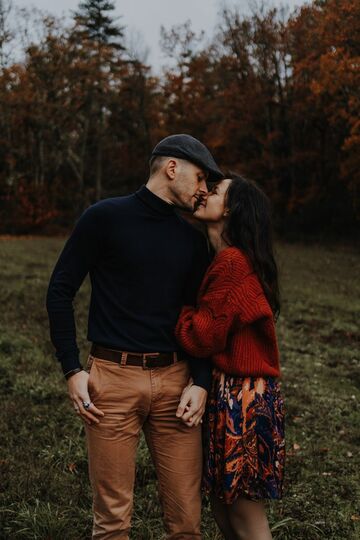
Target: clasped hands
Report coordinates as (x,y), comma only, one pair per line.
(192,404)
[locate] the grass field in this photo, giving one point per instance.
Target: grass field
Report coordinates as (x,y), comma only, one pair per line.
(44,488)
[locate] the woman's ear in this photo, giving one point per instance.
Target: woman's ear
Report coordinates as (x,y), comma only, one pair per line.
(226,212)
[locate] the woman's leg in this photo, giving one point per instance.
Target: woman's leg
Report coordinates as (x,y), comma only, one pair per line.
(248,520)
(220,513)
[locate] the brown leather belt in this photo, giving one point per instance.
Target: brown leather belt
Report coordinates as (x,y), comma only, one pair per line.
(126,358)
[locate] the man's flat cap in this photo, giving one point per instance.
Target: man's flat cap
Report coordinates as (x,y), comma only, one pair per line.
(187,147)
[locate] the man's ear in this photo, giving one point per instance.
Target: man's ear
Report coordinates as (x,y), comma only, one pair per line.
(170,168)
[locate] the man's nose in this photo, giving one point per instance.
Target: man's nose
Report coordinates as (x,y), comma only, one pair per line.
(203,188)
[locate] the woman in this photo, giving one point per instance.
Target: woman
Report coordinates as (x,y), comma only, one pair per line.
(234,324)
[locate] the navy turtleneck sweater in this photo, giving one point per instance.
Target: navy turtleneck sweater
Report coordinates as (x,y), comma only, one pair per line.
(144,263)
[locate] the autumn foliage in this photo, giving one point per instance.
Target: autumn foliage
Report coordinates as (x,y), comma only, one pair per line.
(275,97)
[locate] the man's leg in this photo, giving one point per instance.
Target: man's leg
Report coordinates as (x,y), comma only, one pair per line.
(177,454)
(123,394)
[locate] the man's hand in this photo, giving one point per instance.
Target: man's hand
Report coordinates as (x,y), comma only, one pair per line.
(78,392)
(192,405)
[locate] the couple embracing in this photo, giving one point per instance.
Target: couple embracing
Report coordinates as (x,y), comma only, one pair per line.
(183,346)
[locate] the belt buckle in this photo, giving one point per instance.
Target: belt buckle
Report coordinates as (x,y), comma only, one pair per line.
(149,356)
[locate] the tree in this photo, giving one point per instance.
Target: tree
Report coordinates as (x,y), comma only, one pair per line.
(6,34)
(101,44)
(326,79)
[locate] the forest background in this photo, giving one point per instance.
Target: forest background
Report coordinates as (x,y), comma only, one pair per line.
(274,95)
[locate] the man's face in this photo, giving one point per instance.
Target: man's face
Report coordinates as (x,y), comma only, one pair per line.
(188,186)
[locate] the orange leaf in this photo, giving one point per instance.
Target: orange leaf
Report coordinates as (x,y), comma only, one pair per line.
(72,467)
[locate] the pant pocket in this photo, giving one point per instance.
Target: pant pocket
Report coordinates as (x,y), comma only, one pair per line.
(94,381)
(89,363)
(176,378)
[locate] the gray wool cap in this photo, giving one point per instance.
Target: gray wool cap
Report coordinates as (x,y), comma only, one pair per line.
(185,146)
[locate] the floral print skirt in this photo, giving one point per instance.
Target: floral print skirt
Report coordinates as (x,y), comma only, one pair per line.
(244,438)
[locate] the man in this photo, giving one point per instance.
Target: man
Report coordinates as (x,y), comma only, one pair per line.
(144,262)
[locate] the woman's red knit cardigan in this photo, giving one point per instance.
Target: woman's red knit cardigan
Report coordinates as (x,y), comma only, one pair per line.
(232,322)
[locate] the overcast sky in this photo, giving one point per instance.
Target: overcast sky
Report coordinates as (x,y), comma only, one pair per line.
(143,18)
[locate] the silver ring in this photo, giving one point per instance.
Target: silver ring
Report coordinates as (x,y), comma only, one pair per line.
(86,404)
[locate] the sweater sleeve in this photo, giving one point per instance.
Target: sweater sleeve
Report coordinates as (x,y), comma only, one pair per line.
(228,301)
(75,261)
(202,330)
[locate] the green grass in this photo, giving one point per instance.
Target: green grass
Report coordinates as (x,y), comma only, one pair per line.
(44,488)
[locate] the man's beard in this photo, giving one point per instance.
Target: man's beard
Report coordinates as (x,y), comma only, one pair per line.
(198,201)
(189,208)
(185,207)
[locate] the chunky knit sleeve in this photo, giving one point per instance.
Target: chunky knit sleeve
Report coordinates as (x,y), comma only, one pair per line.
(231,298)
(202,332)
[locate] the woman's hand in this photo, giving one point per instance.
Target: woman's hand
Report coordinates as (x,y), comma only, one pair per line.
(192,404)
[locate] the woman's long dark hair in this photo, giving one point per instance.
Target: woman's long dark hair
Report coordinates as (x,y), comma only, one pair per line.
(249,228)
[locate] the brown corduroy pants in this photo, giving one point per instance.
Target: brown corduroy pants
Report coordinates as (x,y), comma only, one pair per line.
(133,398)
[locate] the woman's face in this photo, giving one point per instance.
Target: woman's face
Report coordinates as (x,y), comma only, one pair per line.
(213,208)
